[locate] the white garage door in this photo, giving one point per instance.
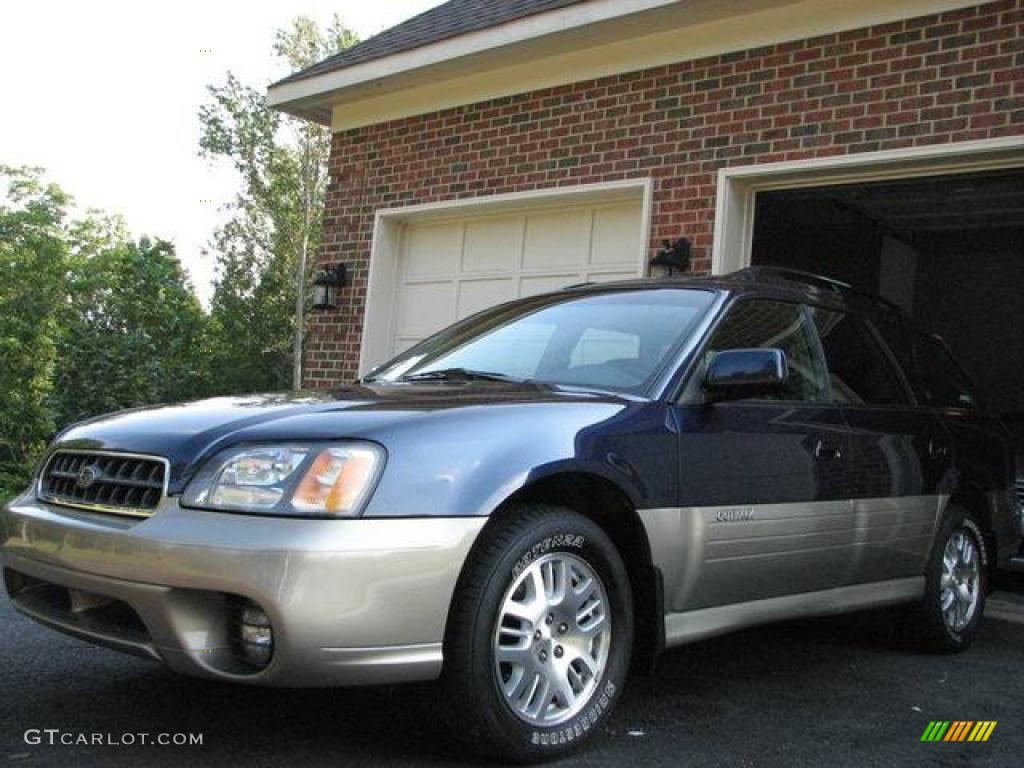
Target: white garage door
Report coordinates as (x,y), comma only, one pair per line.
(451,269)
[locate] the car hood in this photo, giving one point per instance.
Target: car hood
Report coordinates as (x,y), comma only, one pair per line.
(187,433)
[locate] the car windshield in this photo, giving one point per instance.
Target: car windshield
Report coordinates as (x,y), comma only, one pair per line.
(607,341)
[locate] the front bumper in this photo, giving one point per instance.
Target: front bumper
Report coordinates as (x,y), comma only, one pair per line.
(350,601)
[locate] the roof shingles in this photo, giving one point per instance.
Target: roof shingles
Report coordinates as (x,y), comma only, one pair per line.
(454,18)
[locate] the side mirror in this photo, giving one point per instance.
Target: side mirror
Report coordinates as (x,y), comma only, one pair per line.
(736,374)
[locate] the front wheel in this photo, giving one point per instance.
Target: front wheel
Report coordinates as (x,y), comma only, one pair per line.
(540,635)
(955,579)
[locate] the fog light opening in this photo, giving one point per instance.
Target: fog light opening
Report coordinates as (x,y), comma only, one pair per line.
(252,635)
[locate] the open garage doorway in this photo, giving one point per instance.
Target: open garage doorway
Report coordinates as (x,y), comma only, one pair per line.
(948,249)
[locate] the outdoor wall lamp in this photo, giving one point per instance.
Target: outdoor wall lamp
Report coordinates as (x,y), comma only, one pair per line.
(326,285)
(673,257)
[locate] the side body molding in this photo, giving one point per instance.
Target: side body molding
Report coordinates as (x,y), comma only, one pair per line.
(739,565)
(681,628)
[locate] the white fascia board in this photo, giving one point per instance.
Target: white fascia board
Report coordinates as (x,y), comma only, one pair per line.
(518,31)
(573,44)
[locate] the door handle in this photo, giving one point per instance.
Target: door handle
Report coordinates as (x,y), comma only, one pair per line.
(937,450)
(824,452)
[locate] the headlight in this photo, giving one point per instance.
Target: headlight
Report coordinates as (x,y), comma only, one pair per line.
(295,479)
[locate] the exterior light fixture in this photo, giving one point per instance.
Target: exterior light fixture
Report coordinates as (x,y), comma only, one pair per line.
(673,257)
(326,285)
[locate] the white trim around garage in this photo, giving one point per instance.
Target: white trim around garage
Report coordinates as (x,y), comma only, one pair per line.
(738,186)
(390,223)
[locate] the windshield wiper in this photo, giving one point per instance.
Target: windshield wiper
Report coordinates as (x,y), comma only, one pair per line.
(463,374)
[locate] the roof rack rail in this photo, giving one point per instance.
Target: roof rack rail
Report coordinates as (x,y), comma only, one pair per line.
(797,275)
(809,278)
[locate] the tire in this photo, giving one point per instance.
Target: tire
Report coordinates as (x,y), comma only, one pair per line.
(518,568)
(935,627)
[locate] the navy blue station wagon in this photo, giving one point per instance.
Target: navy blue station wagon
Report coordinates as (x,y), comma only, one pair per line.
(534,501)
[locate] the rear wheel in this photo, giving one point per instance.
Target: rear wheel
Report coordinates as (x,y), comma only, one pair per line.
(540,635)
(948,618)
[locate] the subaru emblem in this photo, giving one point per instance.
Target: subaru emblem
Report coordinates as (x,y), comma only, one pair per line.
(87,476)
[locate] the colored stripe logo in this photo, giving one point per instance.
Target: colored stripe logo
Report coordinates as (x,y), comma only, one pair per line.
(959,730)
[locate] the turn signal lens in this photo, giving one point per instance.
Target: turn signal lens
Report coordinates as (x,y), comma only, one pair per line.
(337,482)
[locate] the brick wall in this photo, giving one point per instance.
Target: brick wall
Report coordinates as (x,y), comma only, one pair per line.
(949,77)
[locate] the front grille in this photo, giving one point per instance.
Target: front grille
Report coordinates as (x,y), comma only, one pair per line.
(121,484)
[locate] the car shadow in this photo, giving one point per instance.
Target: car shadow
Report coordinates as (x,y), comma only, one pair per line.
(378,725)
(693,693)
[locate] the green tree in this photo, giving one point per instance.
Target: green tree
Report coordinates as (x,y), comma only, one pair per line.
(33,255)
(91,321)
(250,320)
(132,329)
(266,247)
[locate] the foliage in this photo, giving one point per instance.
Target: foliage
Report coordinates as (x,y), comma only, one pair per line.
(250,317)
(275,223)
(132,331)
(33,252)
(90,321)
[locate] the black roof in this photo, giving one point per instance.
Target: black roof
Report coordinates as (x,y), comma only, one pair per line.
(801,286)
(456,17)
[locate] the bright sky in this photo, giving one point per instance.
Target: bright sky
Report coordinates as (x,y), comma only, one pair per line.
(104,95)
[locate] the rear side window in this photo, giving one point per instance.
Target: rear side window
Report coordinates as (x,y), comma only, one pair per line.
(939,381)
(860,373)
(936,378)
(899,340)
(776,325)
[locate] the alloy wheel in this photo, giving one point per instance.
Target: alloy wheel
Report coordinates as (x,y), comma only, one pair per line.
(961,580)
(551,639)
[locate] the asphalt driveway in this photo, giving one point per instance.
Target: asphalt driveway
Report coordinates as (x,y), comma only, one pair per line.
(825,692)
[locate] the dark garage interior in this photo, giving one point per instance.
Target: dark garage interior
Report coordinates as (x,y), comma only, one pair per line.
(947,249)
